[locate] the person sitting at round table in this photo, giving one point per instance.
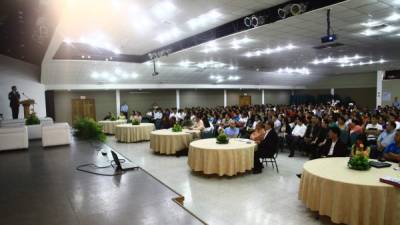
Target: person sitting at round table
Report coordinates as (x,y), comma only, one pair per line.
(392,152)
(122,116)
(198,123)
(232,131)
(136,116)
(258,134)
(360,147)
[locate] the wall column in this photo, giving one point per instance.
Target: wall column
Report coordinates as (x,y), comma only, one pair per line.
(379,80)
(118,101)
(225,98)
(178,100)
(262,97)
(332,91)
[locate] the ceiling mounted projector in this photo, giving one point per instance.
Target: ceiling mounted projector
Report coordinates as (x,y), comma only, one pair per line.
(328,38)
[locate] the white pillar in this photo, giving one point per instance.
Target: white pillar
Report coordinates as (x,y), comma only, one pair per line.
(178,100)
(379,80)
(225,98)
(262,97)
(332,91)
(118,101)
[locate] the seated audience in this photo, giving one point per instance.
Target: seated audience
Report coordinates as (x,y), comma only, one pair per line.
(108,117)
(333,147)
(232,131)
(296,137)
(267,147)
(198,123)
(258,134)
(392,152)
(360,147)
(386,138)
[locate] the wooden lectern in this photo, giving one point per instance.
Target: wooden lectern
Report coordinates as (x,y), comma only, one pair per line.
(27,104)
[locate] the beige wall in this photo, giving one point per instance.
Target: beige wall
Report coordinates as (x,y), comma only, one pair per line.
(104,101)
(203,98)
(144,100)
(392,87)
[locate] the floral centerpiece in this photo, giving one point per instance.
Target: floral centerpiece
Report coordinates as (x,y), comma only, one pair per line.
(135,122)
(88,129)
(32,119)
(113,118)
(359,162)
(222,138)
(177,128)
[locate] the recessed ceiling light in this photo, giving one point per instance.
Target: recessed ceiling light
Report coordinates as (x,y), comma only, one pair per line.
(205,19)
(67,40)
(388,29)
(211,46)
(303,70)
(168,36)
(371,23)
(185,63)
(164,10)
(369,32)
(134,75)
(393,17)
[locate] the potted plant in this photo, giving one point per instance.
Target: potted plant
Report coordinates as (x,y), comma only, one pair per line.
(33,125)
(222,138)
(359,162)
(88,129)
(135,122)
(177,128)
(32,119)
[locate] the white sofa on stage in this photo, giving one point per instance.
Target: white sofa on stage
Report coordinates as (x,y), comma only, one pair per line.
(12,138)
(12,123)
(56,134)
(35,131)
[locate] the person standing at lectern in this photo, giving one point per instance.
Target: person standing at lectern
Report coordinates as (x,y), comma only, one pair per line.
(14,97)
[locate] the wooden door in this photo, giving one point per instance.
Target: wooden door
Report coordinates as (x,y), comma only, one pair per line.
(83,108)
(244,100)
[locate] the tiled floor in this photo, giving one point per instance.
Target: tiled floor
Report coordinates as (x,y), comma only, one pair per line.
(42,187)
(266,198)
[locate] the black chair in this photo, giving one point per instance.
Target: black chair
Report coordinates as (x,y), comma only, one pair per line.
(271,159)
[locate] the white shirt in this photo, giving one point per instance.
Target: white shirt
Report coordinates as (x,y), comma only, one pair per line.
(299,130)
(157,115)
(243,119)
(397,125)
(371,126)
(277,125)
(172,115)
(332,148)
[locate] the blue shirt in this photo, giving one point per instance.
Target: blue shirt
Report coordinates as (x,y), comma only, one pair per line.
(232,132)
(386,138)
(392,148)
(124,108)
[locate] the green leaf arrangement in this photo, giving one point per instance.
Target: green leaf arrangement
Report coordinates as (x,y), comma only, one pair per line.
(222,139)
(113,118)
(135,122)
(359,162)
(177,128)
(88,129)
(32,119)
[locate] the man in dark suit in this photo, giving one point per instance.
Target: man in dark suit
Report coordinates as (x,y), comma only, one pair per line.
(267,148)
(333,147)
(14,97)
(311,136)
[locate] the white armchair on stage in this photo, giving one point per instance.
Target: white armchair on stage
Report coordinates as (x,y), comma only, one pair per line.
(12,138)
(56,134)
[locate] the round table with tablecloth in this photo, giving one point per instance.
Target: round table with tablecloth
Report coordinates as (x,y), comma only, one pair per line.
(129,133)
(109,126)
(208,157)
(168,142)
(350,196)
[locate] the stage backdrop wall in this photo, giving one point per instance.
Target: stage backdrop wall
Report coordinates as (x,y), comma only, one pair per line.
(364,97)
(203,98)
(27,79)
(391,89)
(104,102)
